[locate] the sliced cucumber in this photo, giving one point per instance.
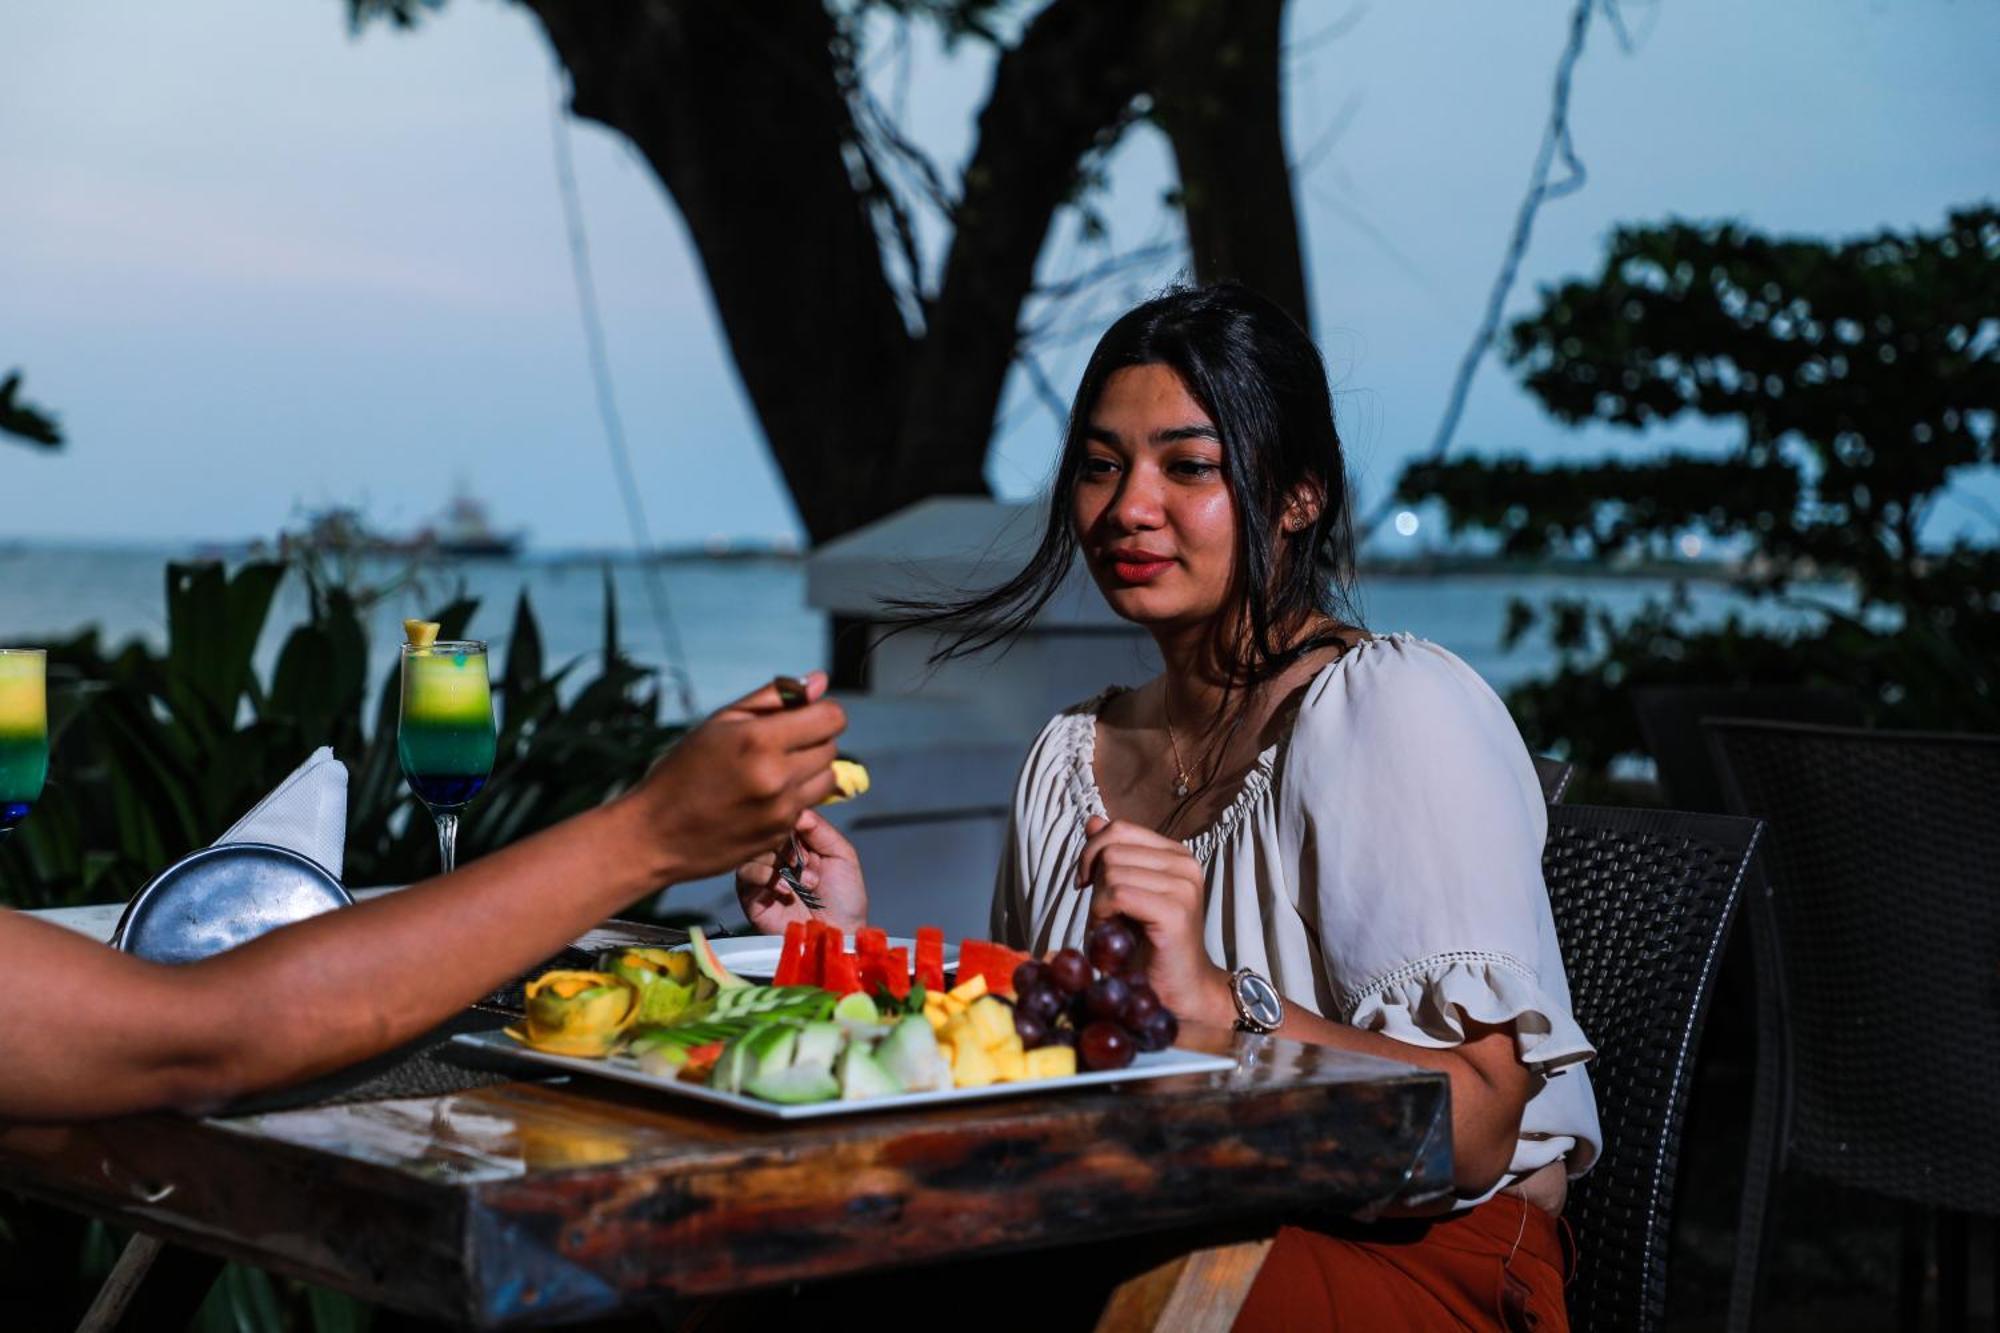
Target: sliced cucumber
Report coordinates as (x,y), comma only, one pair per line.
(797,1084)
(856,1008)
(818,1045)
(862,1075)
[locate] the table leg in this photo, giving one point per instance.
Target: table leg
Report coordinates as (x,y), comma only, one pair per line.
(1200,1292)
(153,1285)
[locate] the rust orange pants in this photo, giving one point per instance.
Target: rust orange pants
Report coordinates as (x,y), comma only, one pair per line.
(1498,1266)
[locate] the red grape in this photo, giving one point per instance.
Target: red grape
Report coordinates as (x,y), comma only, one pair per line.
(1105,1046)
(1106,998)
(1070,970)
(1044,1002)
(1110,944)
(1031,1030)
(1159,1031)
(1140,1004)
(1029,975)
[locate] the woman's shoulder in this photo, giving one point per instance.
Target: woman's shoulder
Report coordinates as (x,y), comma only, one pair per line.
(1401,691)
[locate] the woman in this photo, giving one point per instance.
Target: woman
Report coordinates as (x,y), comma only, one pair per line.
(118,1034)
(1351,819)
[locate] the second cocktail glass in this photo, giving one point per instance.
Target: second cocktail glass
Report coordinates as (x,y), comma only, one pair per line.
(24,732)
(445,738)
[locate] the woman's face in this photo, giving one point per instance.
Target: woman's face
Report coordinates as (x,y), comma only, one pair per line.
(1153,515)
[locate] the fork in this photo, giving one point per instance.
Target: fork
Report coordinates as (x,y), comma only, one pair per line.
(792,694)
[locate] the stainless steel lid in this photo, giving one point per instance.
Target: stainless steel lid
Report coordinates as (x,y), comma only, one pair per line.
(220,897)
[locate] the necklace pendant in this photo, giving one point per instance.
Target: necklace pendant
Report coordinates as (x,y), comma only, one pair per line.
(1181,787)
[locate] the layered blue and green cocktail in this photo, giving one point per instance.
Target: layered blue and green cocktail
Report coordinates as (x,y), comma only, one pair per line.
(24,732)
(446,739)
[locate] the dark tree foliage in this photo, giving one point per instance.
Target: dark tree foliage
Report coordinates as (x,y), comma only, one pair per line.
(876,368)
(22,419)
(1863,377)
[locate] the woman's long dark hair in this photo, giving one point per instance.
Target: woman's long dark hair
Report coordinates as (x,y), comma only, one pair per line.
(1263,384)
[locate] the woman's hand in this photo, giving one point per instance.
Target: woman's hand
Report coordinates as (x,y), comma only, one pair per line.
(829,867)
(735,785)
(1156,881)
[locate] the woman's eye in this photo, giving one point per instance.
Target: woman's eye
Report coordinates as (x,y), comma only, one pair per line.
(1196,469)
(1098,467)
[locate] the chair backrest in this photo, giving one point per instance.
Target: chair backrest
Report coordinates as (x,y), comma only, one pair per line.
(1555,775)
(1670,720)
(1643,901)
(1885,906)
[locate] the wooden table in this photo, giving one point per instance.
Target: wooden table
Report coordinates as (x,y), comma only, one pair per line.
(524,1203)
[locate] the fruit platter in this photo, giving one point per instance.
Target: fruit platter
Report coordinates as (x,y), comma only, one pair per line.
(854,1023)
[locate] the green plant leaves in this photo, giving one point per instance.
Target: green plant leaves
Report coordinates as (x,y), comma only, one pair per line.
(159,752)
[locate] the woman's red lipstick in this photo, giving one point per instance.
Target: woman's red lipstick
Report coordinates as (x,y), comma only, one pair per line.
(1137,566)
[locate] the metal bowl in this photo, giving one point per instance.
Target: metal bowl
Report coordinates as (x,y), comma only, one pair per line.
(220,897)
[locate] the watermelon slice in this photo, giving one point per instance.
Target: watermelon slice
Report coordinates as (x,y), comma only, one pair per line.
(995,962)
(792,960)
(843,971)
(709,965)
(930,958)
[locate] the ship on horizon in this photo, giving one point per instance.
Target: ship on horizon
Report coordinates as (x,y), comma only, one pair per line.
(464,531)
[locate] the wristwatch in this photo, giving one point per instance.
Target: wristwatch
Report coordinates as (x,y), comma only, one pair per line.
(1259,1007)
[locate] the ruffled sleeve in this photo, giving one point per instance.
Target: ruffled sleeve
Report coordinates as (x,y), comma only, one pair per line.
(1420,826)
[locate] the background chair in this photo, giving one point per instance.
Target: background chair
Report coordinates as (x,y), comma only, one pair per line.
(1670,719)
(1643,901)
(1555,775)
(1884,922)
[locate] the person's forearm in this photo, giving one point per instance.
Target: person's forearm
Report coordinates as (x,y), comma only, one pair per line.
(318,995)
(1485,1121)
(351,983)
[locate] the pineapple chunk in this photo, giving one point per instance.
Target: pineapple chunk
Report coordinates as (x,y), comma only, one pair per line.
(993,1020)
(972,1067)
(968,991)
(935,1015)
(959,1031)
(1010,1062)
(1051,1062)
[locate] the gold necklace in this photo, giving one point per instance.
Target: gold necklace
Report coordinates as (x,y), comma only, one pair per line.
(1181,783)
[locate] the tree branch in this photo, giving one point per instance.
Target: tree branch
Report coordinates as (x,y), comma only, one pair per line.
(1074,72)
(744,119)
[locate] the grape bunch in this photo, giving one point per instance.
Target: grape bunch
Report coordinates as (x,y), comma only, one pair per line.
(1083,998)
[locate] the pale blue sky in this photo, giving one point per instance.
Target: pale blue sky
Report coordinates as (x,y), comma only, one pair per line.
(256,263)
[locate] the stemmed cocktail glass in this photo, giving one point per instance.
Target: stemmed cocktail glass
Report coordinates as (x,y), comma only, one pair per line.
(24,732)
(445,738)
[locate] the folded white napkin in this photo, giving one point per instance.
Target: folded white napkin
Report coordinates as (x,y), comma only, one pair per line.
(306,813)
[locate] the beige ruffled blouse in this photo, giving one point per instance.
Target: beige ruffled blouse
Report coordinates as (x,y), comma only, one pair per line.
(1382,865)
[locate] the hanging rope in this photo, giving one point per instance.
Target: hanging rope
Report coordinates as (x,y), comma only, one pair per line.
(607,405)
(1556,144)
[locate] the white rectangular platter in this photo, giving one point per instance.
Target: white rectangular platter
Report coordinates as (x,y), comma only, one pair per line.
(1156,1064)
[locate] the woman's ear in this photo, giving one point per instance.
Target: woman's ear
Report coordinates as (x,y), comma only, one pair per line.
(1302,507)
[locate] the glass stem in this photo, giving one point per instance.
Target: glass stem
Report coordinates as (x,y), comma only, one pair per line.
(448,842)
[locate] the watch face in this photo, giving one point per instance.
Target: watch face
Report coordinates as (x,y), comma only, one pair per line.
(1259,1000)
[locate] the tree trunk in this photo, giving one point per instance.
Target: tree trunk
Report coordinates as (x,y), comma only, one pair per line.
(739,111)
(1071,77)
(1219,96)
(743,113)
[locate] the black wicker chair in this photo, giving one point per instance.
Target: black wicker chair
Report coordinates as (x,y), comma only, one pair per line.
(1555,775)
(1885,861)
(1643,901)
(1670,718)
